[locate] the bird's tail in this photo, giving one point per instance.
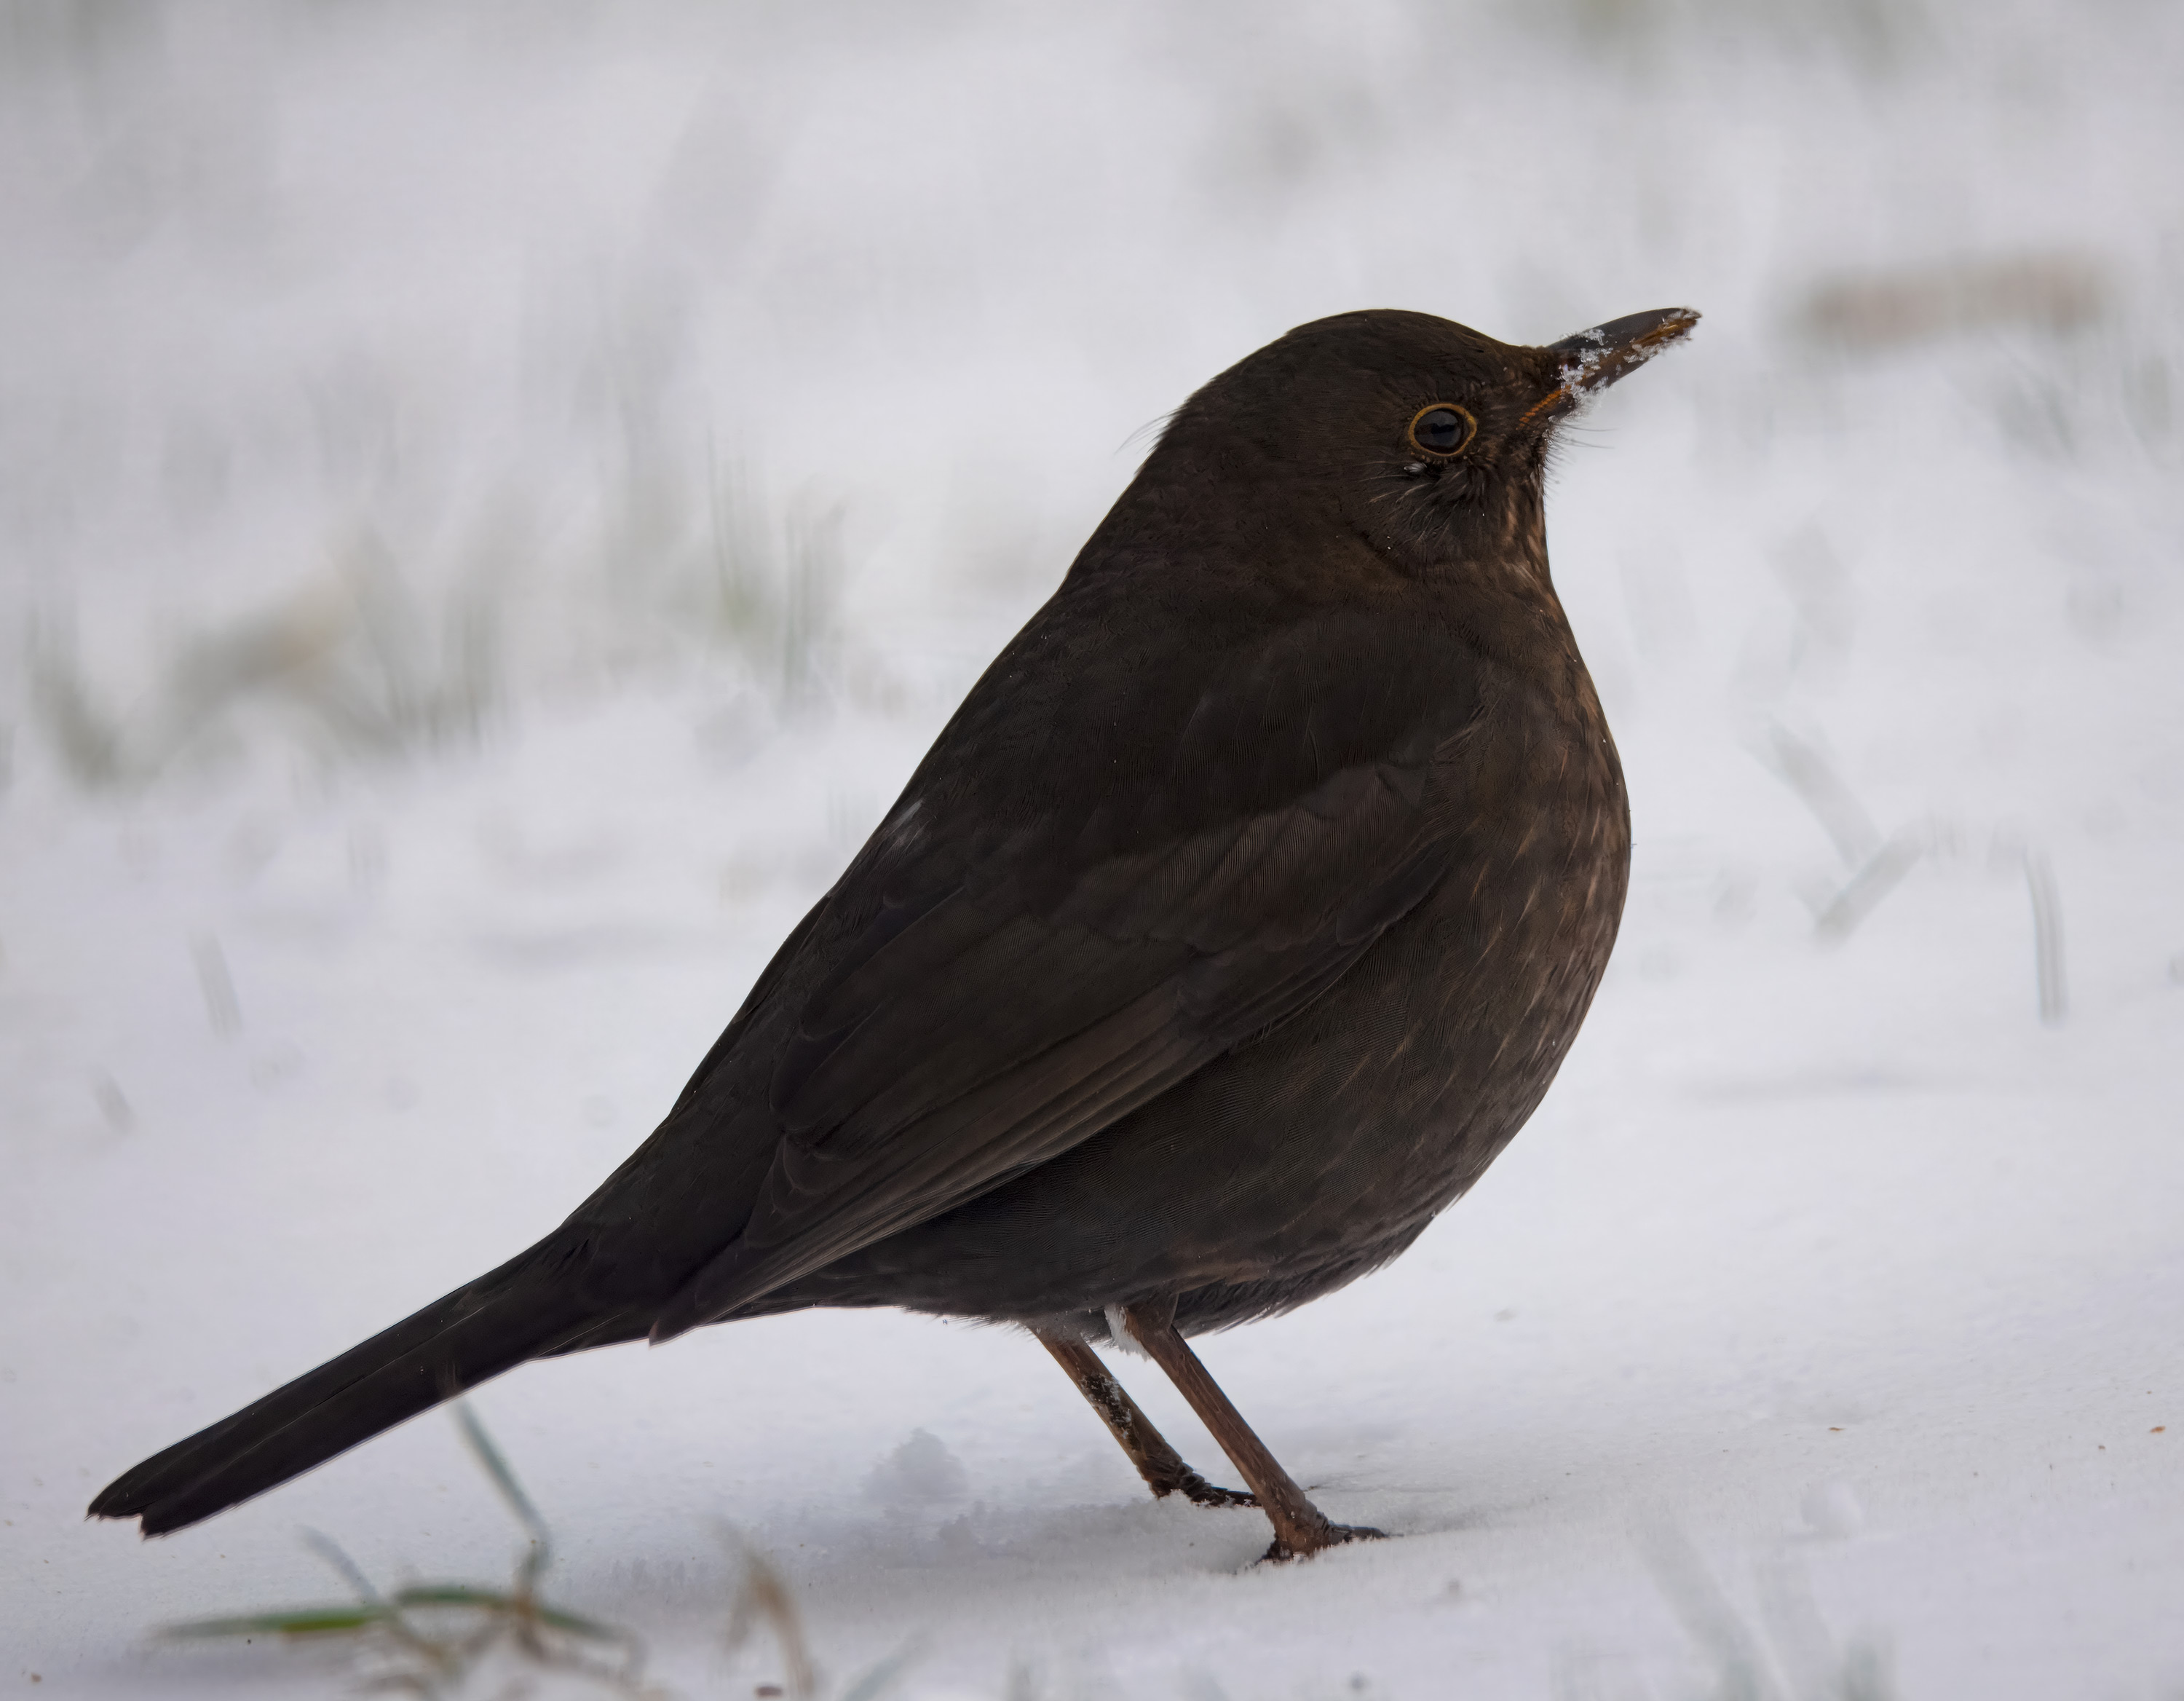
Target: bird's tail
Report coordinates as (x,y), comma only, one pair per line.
(517,1312)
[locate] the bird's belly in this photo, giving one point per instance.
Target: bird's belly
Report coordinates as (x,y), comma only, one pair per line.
(1322,1148)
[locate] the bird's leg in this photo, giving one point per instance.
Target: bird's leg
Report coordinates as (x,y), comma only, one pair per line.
(1160,1464)
(1301,1529)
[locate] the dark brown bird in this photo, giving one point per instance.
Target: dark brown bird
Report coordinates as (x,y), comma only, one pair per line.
(1239,918)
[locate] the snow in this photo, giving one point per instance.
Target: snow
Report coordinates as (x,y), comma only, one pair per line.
(497,502)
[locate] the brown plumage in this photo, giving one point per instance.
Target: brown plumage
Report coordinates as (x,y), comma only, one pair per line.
(1239,918)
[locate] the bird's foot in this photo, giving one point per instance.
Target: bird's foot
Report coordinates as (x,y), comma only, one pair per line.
(1324,1537)
(1199,1492)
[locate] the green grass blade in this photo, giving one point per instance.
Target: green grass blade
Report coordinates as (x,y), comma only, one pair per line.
(455,1595)
(589,1629)
(503,1479)
(304,1621)
(882,1677)
(460,1595)
(350,1572)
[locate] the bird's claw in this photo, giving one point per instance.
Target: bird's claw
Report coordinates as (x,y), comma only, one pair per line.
(1199,1492)
(1328,1536)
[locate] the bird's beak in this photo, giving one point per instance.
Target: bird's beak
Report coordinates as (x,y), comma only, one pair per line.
(1592,360)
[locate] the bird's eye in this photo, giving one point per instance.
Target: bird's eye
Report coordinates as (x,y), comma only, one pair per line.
(1442,430)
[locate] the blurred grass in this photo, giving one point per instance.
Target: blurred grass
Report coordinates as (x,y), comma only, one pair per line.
(428,1639)
(1790,1655)
(273,512)
(623,541)
(434,1639)
(356,666)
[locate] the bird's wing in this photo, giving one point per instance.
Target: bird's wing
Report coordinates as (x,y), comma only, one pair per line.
(1014,988)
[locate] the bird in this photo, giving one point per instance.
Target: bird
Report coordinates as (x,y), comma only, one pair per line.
(1238,919)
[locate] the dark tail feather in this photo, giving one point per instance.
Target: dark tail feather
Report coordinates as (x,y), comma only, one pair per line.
(496,1323)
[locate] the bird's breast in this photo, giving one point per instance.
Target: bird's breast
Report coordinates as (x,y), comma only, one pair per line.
(1503,959)
(1441,1043)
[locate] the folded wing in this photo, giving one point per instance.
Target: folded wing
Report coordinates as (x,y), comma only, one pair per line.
(1015,988)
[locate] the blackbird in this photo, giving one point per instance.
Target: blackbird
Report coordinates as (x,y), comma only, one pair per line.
(1239,918)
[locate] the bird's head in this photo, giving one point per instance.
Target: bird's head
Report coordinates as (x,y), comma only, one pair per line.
(1429,439)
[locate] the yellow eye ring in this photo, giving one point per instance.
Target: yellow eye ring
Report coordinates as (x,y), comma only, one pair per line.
(1441,431)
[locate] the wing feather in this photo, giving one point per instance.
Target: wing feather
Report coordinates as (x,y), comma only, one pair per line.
(1003,1003)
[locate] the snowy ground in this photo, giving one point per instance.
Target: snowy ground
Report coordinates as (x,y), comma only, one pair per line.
(492,509)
